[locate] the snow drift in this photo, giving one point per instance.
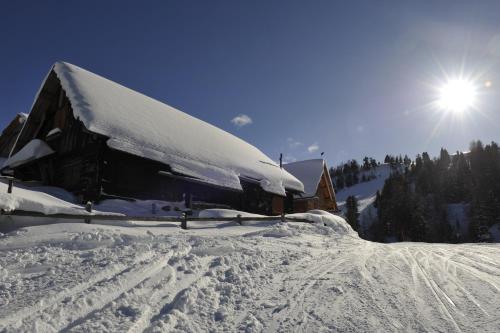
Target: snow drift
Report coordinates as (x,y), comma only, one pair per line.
(42,199)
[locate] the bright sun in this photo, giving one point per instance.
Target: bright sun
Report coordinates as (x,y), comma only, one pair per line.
(457,95)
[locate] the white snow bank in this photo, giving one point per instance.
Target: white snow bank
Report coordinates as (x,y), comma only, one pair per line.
(334,222)
(319,212)
(142,207)
(34,150)
(321,218)
(208,213)
(24,198)
(142,126)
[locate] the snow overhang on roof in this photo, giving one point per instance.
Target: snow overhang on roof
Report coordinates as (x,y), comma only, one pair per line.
(34,150)
(142,126)
(309,172)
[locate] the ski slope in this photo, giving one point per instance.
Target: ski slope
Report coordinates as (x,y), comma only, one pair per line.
(365,193)
(260,277)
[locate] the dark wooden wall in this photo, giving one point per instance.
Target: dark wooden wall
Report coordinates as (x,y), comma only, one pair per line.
(9,135)
(76,166)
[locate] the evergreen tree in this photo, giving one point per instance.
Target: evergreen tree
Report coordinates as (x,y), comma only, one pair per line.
(413,205)
(377,199)
(366,163)
(407,161)
(352,214)
(444,159)
(418,163)
(340,182)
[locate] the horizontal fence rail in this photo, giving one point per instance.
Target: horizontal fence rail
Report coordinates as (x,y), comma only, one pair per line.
(182,219)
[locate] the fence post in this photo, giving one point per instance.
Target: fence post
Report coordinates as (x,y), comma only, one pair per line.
(283,219)
(238,219)
(184,221)
(88,208)
(11,185)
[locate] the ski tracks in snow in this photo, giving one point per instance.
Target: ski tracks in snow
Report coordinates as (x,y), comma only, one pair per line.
(72,307)
(286,282)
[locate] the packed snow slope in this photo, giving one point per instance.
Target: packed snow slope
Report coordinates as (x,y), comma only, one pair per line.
(259,277)
(365,193)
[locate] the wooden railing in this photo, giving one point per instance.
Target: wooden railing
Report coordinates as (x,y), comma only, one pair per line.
(183,220)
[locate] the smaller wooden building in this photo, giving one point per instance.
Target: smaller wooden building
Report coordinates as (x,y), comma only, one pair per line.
(318,187)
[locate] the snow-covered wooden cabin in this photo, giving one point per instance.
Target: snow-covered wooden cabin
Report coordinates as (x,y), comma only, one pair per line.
(99,139)
(10,134)
(318,187)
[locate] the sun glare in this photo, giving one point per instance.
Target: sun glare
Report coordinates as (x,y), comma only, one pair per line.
(457,95)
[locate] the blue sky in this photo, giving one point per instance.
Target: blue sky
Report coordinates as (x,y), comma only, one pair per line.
(350,78)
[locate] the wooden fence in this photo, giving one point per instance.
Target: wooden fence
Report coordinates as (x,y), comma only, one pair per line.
(183,220)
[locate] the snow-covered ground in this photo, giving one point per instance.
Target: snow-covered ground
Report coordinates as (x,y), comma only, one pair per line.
(223,277)
(257,277)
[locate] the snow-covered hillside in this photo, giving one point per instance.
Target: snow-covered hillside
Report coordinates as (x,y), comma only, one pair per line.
(257,277)
(365,193)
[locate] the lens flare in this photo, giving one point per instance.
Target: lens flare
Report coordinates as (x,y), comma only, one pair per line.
(457,96)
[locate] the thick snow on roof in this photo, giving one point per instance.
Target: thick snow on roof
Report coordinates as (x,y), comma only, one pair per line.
(308,172)
(142,126)
(34,150)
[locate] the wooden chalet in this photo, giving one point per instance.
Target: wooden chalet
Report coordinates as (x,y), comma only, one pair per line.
(318,187)
(99,140)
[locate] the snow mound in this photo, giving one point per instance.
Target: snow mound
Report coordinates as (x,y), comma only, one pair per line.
(142,207)
(332,222)
(214,213)
(27,199)
(319,212)
(323,221)
(279,230)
